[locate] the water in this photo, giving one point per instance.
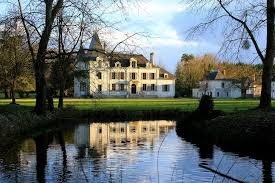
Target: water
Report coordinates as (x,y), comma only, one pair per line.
(138,151)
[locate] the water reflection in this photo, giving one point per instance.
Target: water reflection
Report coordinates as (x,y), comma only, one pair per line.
(125,152)
(206,152)
(100,135)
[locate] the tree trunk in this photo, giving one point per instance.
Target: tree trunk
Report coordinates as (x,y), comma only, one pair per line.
(61,95)
(41,143)
(265,102)
(12,93)
(6,93)
(243,91)
(41,90)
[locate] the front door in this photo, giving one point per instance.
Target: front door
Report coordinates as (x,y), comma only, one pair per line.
(134,89)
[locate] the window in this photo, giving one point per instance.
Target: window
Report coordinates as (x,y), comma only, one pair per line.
(144,129)
(99,88)
(166,76)
(121,87)
(113,75)
(152,75)
(222,85)
(144,87)
(122,75)
(100,130)
(165,88)
(118,64)
(99,75)
(133,129)
(143,75)
(122,130)
(113,87)
(133,75)
(153,87)
(83,86)
(218,94)
(133,63)
(227,94)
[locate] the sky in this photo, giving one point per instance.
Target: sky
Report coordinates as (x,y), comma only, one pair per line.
(167,23)
(163,25)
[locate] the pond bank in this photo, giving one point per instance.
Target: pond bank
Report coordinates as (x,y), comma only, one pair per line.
(251,132)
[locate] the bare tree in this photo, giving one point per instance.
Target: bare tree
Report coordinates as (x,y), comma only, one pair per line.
(247,20)
(46,17)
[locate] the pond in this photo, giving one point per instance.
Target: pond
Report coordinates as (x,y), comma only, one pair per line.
(136,151)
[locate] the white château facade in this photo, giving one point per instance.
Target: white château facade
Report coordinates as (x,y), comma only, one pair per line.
(120,75)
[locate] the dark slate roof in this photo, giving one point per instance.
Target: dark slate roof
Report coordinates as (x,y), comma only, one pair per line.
(211,75)
(96,43)
(214,75)
(123,58)
(163,71)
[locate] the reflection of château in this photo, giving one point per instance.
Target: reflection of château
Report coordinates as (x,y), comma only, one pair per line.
(99,135)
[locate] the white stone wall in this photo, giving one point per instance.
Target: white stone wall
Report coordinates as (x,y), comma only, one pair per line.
(106,82)
(217,89)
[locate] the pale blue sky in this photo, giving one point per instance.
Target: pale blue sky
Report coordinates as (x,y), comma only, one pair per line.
(166,23)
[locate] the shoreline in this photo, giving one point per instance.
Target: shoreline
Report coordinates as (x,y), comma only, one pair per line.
(248,133)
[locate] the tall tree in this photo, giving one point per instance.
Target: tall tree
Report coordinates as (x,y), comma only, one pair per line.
(14,62)
(49,12)
(247,20)
(191,71)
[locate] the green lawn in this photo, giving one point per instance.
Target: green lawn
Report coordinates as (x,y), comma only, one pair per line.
(141,104)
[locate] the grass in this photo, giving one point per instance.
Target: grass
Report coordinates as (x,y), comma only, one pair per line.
(184,104)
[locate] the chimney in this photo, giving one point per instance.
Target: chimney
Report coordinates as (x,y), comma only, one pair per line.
(224,73)
(152,58)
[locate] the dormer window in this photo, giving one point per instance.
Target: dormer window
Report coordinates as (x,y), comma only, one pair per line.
(134,63)
(165,76)
(117,64)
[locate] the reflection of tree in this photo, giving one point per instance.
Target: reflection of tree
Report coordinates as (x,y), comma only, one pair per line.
(91,154)
(199,139)
(64,153)
(267,171)
(41,143)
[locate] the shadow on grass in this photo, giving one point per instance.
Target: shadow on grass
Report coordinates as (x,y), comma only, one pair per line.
(13,108)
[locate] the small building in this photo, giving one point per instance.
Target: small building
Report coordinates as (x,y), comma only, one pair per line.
(120,75)
(216,85)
